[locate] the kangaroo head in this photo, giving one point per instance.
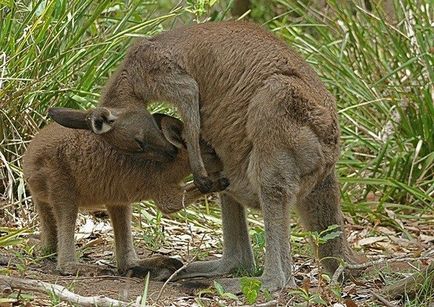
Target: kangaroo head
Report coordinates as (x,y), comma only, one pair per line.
(131,130)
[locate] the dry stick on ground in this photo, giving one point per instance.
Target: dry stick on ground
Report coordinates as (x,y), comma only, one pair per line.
(382,299)
(117,277)
(343,266)
(412,283)
(60,291)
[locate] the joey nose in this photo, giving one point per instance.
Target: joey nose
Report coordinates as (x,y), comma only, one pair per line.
(143,146)
(172,152)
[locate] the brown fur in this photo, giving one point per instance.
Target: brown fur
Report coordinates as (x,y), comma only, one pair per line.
(67,169)
(271,121)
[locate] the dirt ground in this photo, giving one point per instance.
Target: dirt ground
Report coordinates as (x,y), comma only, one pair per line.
(95,246)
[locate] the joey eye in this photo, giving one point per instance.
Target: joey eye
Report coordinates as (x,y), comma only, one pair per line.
(142,145)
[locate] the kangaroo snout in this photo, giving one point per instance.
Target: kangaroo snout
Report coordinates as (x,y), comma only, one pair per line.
(166,154)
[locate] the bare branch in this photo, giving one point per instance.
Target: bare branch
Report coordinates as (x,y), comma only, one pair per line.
(382,299)
(368,264)
(63,293)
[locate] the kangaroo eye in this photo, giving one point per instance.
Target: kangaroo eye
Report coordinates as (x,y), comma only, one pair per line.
(142,145)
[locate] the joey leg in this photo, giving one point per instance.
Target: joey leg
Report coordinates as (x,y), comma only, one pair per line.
(47,226)
(120,217)
(66,216)
(160,268)
(237,251)
(321,209)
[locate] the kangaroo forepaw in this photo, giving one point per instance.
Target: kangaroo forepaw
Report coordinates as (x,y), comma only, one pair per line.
(204,184)
(207,185)
(222,184)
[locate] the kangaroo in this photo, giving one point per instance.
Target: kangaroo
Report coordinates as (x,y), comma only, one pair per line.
(271,121)
(68,169)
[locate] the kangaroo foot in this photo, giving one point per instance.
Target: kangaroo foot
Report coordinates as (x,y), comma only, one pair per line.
(214,268)
(160,267)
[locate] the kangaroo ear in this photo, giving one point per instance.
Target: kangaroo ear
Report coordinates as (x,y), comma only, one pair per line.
(101,120)
(171,127)
(69,118)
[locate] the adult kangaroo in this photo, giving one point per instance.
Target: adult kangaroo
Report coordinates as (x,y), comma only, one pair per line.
(269,118)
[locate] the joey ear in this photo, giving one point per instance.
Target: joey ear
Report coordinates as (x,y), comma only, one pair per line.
(101,120)
(171,128)
(69,118)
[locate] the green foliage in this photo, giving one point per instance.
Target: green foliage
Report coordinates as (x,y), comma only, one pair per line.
(322,237)
(151,227)
(223,294)
(54,298)
(250,287)
(199,7)
(10,237)
(258,244)
(308,298)
(381,73)
(425,294)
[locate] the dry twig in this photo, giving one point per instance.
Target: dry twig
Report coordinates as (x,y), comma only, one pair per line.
(63,293)
(368,264)
(411,284)
(382,299)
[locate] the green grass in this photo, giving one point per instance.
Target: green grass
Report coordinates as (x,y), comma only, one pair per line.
(381,74)
(59,53)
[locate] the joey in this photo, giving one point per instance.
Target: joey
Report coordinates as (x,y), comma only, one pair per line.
(67,169)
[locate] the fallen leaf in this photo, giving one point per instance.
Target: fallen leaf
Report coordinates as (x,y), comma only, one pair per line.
(163,250)
(389,247)
(371,240)
(426,238)
(95,242)
(350,303)
(306,284)
(401,242)
(385,230)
